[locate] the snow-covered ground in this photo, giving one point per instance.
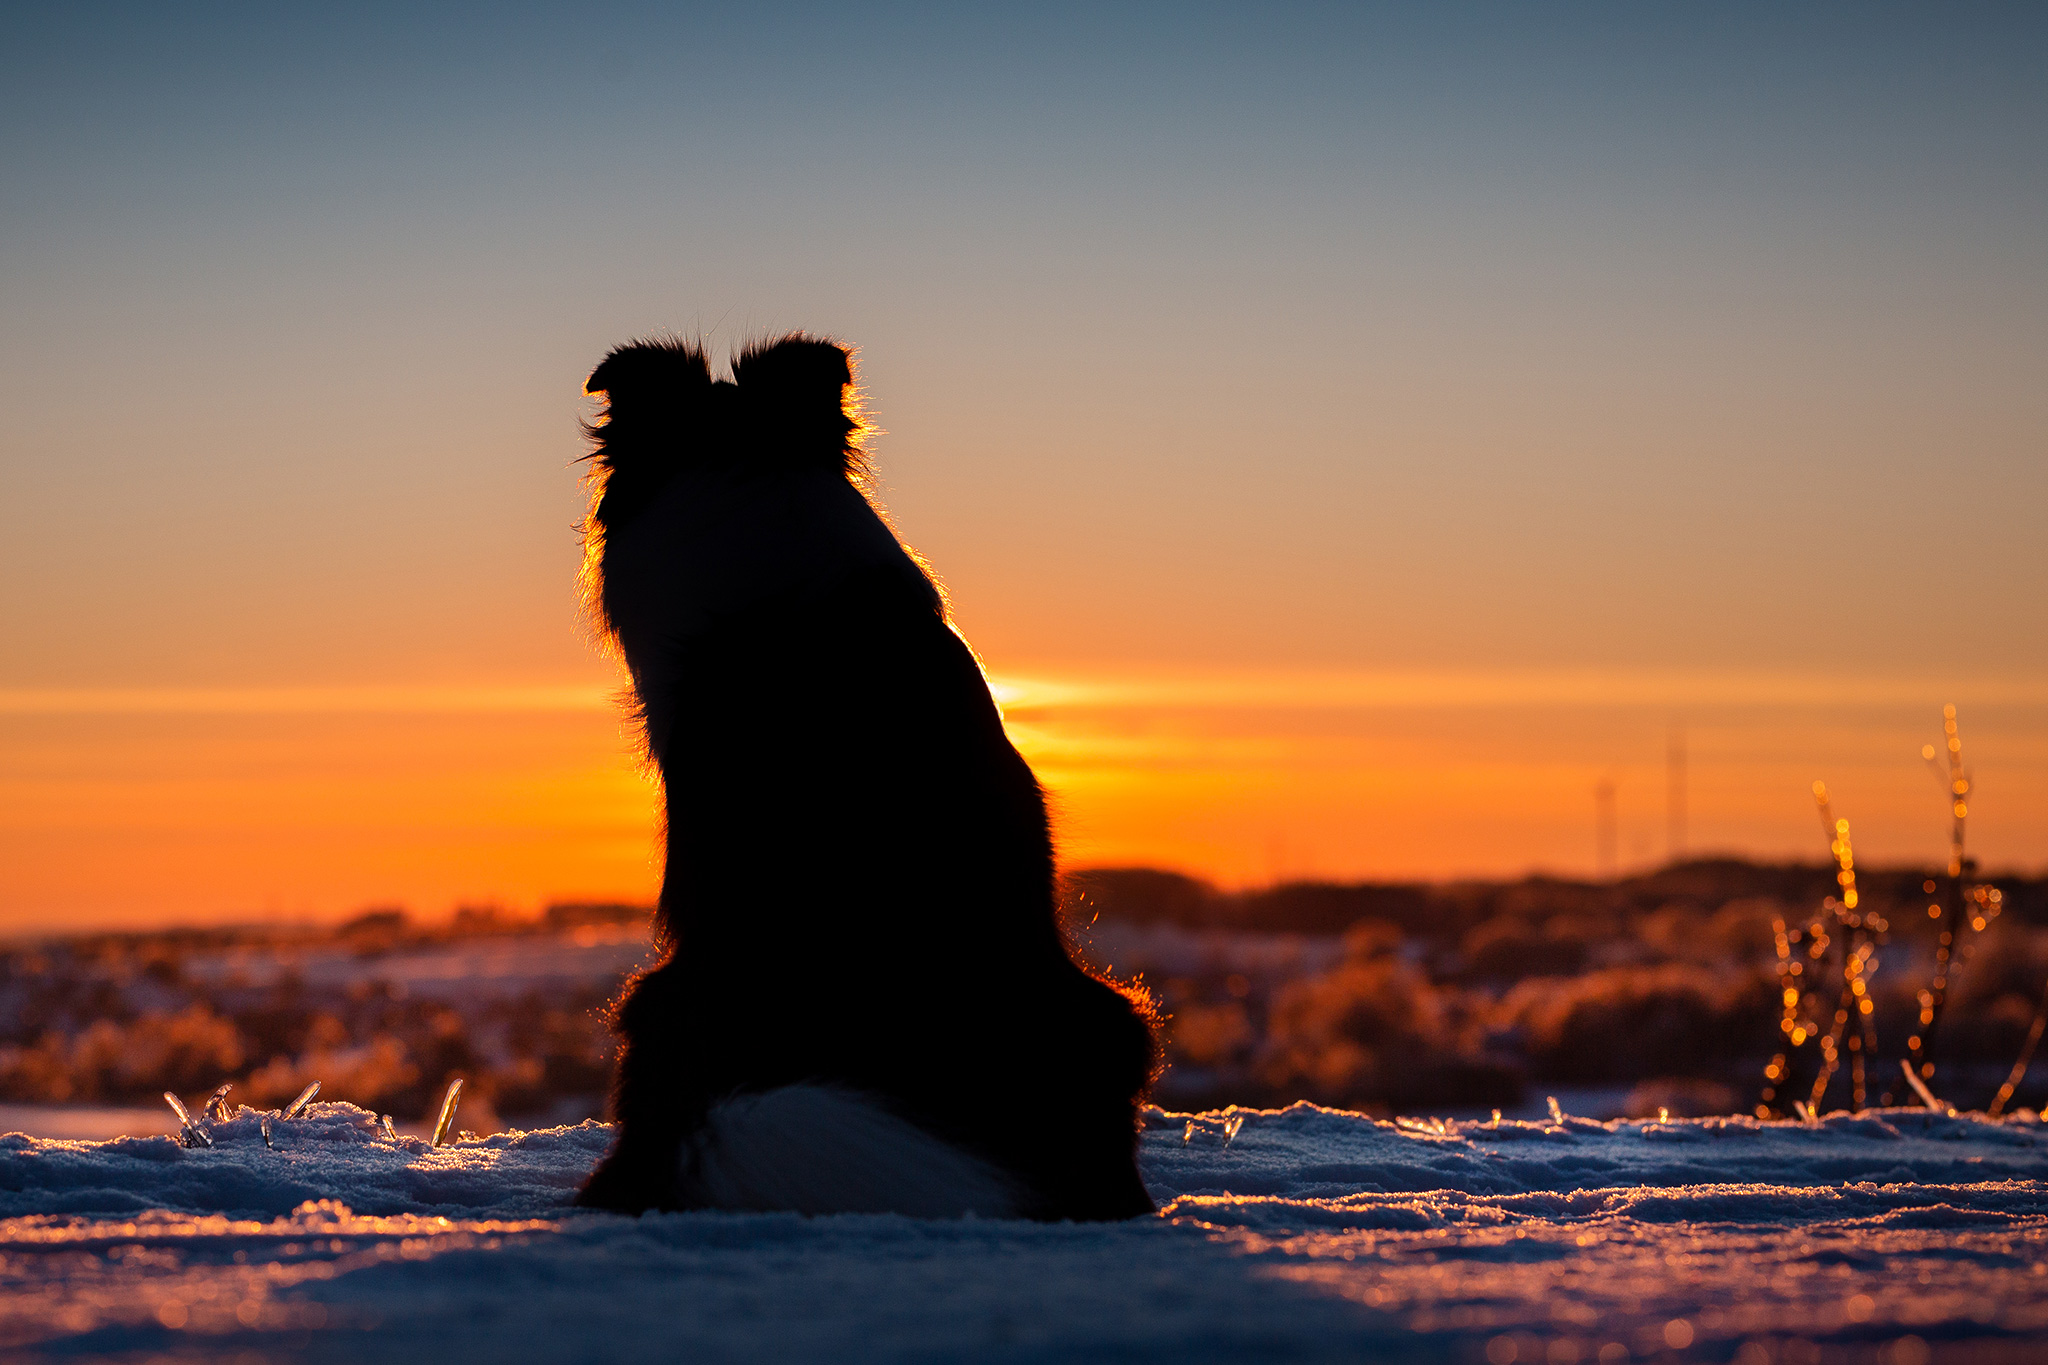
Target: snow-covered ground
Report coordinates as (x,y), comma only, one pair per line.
(463,970)
(1311,1234)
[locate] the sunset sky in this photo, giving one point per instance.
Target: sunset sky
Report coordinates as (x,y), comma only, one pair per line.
(1349,435)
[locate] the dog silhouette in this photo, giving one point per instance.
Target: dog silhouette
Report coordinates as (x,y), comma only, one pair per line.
(866,1002)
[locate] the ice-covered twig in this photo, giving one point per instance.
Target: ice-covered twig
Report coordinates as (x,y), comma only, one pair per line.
(216,1106)
(448,1103)
(298,1106)
(2019,1068)
(190,1134)
(1920,1088)
(264,1121)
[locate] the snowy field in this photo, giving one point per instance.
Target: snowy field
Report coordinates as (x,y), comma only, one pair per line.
(1310,1234)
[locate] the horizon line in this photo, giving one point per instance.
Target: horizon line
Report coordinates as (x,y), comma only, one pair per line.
(59,924)
(1202,688)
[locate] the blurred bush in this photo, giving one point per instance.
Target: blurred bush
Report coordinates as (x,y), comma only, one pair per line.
(119,1019)
(1388,998)
(1459,996)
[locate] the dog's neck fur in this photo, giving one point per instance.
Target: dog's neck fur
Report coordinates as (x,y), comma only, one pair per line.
(717,543)
(722,498)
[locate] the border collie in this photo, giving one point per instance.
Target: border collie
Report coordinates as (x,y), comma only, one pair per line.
(866,1003)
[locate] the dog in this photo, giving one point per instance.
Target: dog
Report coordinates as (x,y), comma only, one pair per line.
(867,1002)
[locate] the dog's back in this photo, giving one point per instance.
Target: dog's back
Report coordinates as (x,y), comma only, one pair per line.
(859,890)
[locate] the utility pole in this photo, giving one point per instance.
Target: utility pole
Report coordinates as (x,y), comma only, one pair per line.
(1674,792)
(1606,831)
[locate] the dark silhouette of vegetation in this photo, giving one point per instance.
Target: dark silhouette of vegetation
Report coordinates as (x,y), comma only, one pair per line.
(120,1018)
(1464,995)
(1663,988)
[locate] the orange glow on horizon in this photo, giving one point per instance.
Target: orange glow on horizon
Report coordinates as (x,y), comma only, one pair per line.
(141,806)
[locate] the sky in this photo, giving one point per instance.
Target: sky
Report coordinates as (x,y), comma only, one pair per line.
(1349,435)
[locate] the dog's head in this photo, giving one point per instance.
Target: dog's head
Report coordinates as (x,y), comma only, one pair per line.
(790,405)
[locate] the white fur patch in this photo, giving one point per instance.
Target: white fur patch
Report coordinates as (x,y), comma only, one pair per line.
(820,1149)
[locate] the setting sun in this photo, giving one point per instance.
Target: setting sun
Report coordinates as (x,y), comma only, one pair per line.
(121,805)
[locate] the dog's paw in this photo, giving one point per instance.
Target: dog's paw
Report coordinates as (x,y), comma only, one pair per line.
(630,1185)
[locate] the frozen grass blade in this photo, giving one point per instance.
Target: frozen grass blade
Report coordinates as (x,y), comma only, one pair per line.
(1231,1127)
(190,1134)
(1967,907)
(267,1143)
(448,1103)
(216,1106)
(1189,1135)
(1556,1110)
(298,1106)
(390,1132)
(1920,1088)
(2019,1068)
(1804,986)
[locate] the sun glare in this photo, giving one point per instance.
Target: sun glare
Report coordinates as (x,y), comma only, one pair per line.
(135,803)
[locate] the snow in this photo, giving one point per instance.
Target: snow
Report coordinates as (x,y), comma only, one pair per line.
(1896,1237)
(463,971)
(98,1122)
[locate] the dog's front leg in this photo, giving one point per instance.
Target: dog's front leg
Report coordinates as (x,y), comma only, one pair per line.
(653,1102)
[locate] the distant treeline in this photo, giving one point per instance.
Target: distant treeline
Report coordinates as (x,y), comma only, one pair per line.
(1445,911)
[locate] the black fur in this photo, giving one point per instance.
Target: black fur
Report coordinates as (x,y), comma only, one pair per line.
(859,886)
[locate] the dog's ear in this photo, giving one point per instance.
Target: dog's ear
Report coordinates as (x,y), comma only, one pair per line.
(795,393)
(656,396)
(651,370)
(795,369)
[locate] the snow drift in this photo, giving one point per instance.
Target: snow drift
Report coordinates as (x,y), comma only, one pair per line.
(1895,1236)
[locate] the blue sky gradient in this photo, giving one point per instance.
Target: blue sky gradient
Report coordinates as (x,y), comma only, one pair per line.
(1468,337)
